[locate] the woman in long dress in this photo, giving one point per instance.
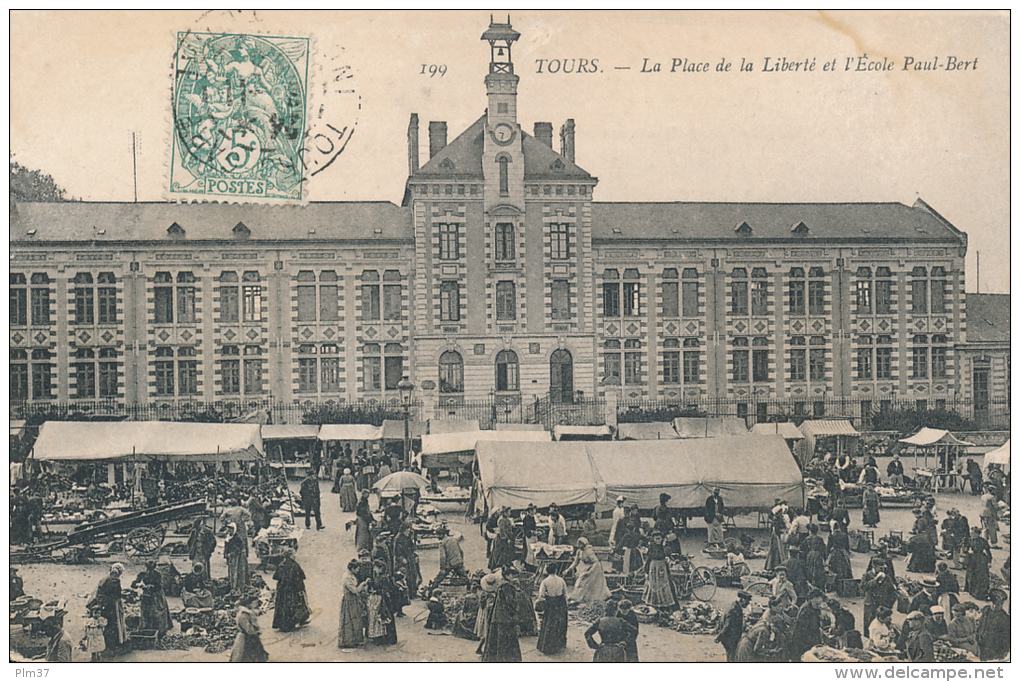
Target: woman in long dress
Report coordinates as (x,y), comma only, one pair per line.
(552,592)
(872,502)
(979,557)
(590,585)
(291,598)
(348,492)
(154,610)
(778,553)
(502,553)
(839,554)
(195,592)
(363,527)
(236,555)
(109,601)
(248,643)
(353,614)
(501,643)
(382,627)
(659,589)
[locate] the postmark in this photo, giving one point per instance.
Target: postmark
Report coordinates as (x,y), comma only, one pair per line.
(239,117)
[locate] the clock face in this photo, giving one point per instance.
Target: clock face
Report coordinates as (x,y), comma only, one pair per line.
(504,133)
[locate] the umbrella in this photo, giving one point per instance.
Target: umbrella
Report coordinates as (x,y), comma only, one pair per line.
(400,481)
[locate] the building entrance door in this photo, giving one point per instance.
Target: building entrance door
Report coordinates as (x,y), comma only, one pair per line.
(561,377)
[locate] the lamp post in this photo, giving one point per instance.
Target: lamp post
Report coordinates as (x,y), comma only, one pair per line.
(406,388)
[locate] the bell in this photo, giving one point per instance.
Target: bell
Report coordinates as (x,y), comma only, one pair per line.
(500,52)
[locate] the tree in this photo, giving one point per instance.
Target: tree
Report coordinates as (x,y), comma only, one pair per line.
(33,185)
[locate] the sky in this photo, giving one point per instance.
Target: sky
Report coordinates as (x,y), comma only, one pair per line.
(858,127)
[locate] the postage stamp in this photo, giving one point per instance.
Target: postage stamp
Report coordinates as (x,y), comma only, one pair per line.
(239,110)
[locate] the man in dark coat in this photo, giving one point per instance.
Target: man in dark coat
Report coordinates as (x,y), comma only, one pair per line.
(310,501)
(879,591)
(994,628)
(732,627)
(201,543)
(715,513)
(807,632)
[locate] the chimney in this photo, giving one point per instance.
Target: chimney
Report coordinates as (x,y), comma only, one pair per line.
(543,133)
(567,140)
(437,137)
(412,145)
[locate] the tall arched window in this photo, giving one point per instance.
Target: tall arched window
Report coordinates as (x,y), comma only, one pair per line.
(507,375)
(451,372)
(506,301)
(504,174)
(561,377)
(505,242)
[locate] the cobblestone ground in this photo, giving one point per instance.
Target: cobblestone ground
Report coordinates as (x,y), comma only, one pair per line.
(324,555)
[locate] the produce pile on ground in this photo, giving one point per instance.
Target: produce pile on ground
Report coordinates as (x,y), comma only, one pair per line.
(693,619)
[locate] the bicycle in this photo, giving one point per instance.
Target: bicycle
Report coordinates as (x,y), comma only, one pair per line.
(698,581)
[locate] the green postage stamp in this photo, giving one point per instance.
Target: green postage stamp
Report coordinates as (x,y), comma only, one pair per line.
(239,117)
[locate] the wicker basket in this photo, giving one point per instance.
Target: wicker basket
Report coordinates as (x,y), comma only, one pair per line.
(645,613)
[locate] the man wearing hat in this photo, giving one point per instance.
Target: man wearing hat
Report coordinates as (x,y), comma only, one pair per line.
(766,640)
(916,641)
(618,515)
(925,599)
(994,628)
(451,557)
(807,632)
(732,626)
(60,647)
(990,516)
(938,626)
(557,527)
(715,512)
(879,592)
(782,589)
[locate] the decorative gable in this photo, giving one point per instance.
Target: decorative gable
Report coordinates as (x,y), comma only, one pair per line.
(241,231)
(447,165)
(557,165)
(175,231)
(800,228)
(744,230)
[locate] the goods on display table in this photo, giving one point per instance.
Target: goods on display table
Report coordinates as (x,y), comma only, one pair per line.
(828,654)
(273,542)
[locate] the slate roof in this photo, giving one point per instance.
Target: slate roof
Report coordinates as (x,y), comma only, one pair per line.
(81,221)
(704,221)
(462,159)
(988,318)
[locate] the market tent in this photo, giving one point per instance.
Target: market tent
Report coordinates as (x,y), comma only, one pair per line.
(571,432)
(928,436)
(519,427)
(751,471)
(200,442)
(709,427)
(451,450)
(288,431)
(452,425)
(999,455)
(517,474)
(349,432)
(785,429)
(646,431)
(813,429)
(17,428)
(393,429)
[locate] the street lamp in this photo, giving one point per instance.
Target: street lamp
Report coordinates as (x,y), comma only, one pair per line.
(406,388)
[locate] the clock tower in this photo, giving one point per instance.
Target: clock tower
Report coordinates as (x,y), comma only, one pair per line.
(502,159)
(501,81)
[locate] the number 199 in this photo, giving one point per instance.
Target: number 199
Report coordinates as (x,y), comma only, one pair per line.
(433,70)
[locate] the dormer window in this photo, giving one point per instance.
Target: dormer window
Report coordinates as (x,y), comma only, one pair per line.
(447,164)
(175,231)
(744,230)
(800,228)
(241,231)
(557,165)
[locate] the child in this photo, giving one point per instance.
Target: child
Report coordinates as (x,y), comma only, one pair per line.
(437,612)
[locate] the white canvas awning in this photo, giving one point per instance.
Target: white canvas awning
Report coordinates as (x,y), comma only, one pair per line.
(441,443)
(785,429)
(829,427)
(393,429)
(928,436)
(519,427)
(646,431)
(539,474)
(437,426)
(358,432)
(573,432)
(289,431)
(97,441)
(999,455)
(709,427)
(18,427)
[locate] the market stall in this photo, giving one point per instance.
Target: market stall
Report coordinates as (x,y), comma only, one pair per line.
(516,474)
(646,431)
(568,432)
(457,449)
(943,448)
(518,427)
(709,427)
(843,437)
(999,455)
(437,426)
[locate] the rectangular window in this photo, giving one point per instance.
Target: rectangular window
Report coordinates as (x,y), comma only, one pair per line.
(864,363)
(329,303)
(449,241)
(632,367)
(671,299)
(449,301)
(308,374)
(919,296)
(560,299)
(938,296)
(559,234)
(373,374)
(692,366)
(611,299)
(252,375)
(84,306)
(631,299)
(690,292)
(84,380)
(671,367)
(919,362)
(19,382)
(796,297)
(230,371)
(187,374)
(819,408)
(883,363)
(760,364)
(741,366)
(738,297)
(370,308)
(252,300)
(330,374)
(42,380)
(108,380)
(41,306)
(817,364)
(863,297)
(394,372)
(759,297)
(306,303)
(506,301)
(229,311)
(816,297)
(185,304)
(798,364)
(883,296)
(107,305)
(164,377)
(612,361)
(19,307)
(505,242)
(938,363)
(391,302)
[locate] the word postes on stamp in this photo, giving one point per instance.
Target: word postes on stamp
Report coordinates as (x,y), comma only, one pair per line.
(239,117)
